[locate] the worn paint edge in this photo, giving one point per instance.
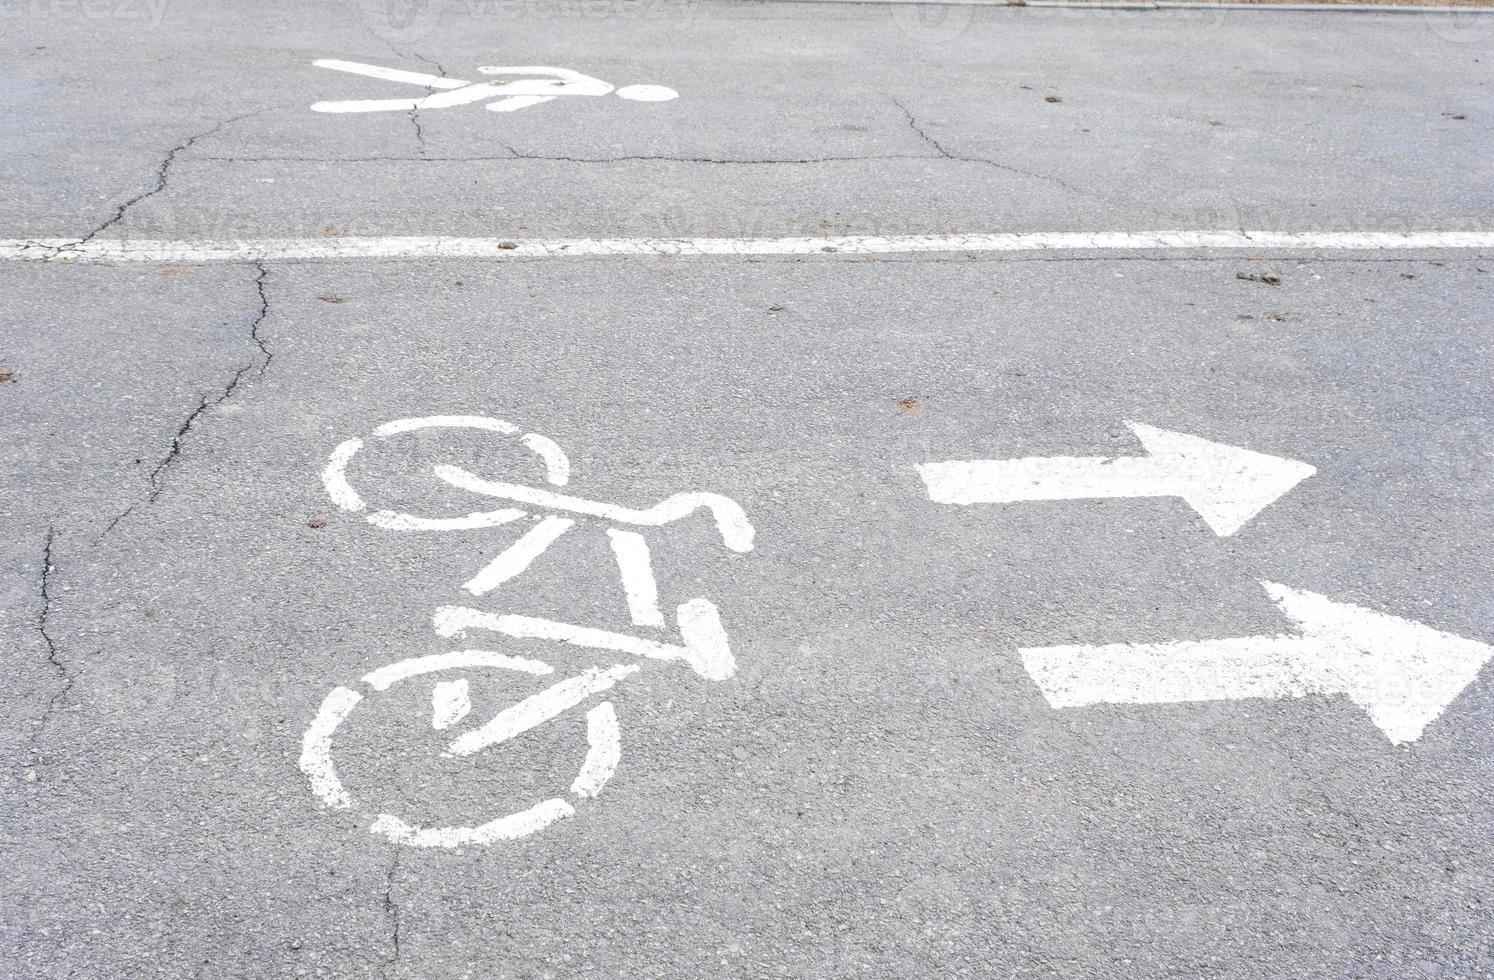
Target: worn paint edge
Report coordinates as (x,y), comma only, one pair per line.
(429,247)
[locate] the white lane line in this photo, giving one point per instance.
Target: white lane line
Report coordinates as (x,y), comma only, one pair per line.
(1170,5)
(389,247)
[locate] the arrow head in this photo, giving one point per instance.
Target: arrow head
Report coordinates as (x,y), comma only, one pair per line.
(1226,485)
(1402,673)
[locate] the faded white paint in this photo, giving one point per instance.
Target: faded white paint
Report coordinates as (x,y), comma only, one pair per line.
(340,490)
(557,464)
(511,827)
(1402,673)
(518,556)
(705,648)
(316,747)
(393,521)
(705,640)
(334,476)
(451,701)
(194,251)
(603,753)
(484,422)
(1227,486)
(539,708)
(384,677)
(633,563)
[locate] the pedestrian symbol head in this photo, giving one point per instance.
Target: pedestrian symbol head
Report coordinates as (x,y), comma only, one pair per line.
(647,93)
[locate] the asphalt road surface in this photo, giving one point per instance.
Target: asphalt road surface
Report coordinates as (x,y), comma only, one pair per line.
(292,690)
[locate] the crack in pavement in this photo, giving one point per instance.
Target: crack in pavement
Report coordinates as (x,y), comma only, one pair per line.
(430,90)
(258,365)
(43,619)
(392,913)
(944,152)
(419,130)
(414,113)
(163,177)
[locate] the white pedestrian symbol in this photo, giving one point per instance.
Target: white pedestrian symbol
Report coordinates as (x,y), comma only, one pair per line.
(703,641)
(530,85)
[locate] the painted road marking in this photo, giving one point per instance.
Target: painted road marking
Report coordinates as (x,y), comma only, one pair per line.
(551,84)
(631,550)
(1402,673)
(1227,486)
(187,252)
(517,557)
(451,701)
(736,531)
(317,764)
(539,708)
(705,646)
(704,649)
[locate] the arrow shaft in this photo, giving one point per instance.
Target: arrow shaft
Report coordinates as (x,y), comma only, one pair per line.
(1169,673)
(1402,673)
(997,481)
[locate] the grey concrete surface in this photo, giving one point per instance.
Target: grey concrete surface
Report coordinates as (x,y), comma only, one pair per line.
(881,790)
(795,118)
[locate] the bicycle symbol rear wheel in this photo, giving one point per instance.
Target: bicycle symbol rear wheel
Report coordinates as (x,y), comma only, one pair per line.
(449,706)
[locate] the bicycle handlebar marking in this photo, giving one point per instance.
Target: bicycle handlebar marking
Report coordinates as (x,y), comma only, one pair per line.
(736,531)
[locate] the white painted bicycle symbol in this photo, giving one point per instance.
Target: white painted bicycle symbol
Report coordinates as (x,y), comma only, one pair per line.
(703,645)
(543,84)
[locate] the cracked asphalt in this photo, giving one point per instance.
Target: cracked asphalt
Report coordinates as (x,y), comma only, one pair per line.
(881,789)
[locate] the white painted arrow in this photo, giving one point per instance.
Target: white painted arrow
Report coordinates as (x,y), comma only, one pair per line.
(1402,673)
(1227,486)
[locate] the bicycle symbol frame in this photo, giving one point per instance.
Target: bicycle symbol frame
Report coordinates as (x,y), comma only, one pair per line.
(704,647)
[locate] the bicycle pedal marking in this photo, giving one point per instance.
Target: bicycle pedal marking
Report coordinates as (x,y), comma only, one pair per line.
(703,645)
